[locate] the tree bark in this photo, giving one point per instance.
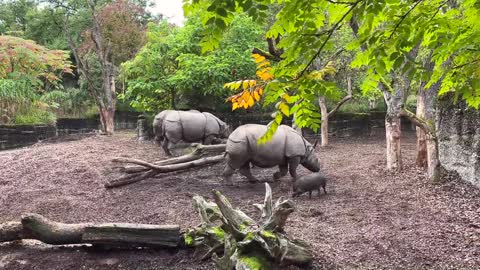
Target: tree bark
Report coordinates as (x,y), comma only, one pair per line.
(34,226)
(326,114)
(394,151)
(324,126)
(421,159)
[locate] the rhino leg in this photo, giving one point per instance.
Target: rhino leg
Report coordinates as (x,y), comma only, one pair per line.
(208,140)
(245,170)
(166,146)
(227,174)
(292,166)
(282,171)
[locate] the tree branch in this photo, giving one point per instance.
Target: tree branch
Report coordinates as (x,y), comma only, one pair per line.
(404,16)
(419,122)
(266,55)
(330,33)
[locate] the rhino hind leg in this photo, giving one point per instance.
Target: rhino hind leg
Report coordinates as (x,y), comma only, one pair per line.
(166,146)
(282,171)
(245,170)
(292,166)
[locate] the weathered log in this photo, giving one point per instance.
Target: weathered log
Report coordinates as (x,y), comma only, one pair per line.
(135,235)
(155,169)
(130,179)
(34,226)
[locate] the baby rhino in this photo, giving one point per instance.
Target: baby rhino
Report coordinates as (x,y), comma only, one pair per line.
(309,183)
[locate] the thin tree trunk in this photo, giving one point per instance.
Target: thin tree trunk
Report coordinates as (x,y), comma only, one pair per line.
(421,160)
(393,133)
(324,126)
(433,161)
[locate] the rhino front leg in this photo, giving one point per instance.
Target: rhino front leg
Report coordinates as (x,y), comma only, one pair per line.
(282,171)
(292,166)
(209,140)
(227,174)
(245,170)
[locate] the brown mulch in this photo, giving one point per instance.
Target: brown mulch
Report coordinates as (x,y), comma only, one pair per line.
(370,219)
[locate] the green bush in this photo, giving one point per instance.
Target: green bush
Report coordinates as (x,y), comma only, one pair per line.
(33,116)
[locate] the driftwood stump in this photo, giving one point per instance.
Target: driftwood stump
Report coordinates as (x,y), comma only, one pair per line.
(201,155)
(243,242)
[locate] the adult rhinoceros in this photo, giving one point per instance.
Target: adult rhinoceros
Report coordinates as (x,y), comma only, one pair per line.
(171,127)
(287,150)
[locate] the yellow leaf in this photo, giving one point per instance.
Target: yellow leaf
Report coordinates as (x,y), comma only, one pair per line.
(256,95)
(245,105)
(263,64)
(234,106)
(284,109)
(237,84)
(245,95)
(252,83)
(245,85)
(258,58)
(250,101)
(260,91)
(287,97)
(226,85)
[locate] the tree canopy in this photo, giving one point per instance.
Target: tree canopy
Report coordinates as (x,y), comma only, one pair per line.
(386,31)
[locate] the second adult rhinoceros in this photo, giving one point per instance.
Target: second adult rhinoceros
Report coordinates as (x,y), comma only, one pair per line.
(287,149)
(171,127)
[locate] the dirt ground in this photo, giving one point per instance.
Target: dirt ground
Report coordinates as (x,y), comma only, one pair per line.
(370,219)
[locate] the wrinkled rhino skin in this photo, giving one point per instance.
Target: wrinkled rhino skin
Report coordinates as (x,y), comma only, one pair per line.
(171,127)
(287,150)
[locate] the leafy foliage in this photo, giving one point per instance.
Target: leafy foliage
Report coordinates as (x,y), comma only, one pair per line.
(387,32)
(170,70)
(25,60)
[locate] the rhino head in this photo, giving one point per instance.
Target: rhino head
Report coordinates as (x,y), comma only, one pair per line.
(225,129)
(310,160)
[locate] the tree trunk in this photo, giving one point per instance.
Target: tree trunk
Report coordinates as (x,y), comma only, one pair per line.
(34,226)
(433,161)
(324,126)
(326,114)
(421,160)
(393,133)
(107,120)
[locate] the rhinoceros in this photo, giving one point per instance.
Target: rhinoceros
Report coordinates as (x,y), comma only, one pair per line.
(171,127)
(287,150)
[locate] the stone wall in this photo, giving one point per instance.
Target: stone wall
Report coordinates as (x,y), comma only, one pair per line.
(459,139)
(22,135)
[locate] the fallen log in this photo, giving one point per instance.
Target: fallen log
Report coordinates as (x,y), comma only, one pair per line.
(34,226)
(198,151)
(155,169)
(200,156)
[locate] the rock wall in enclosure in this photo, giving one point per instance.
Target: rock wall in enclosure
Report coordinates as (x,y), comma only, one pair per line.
(22,135)
(459,139)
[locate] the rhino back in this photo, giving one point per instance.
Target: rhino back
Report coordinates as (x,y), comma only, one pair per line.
(242,146)
(212,124)
(193,125)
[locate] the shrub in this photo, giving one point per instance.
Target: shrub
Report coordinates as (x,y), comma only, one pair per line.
(34,116)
